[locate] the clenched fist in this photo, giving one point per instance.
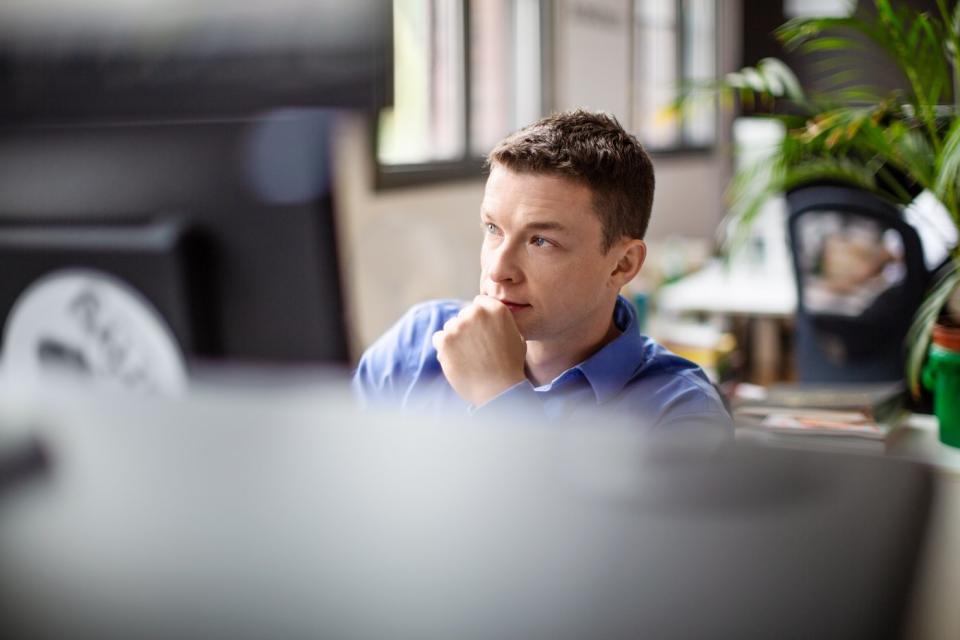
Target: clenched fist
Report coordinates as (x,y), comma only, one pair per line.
(481,350)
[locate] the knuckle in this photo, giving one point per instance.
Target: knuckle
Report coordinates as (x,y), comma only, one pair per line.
(499,311)
(450,333)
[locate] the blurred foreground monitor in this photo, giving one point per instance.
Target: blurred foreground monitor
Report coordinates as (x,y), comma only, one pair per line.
(283,513)
(165,182)
(62,59)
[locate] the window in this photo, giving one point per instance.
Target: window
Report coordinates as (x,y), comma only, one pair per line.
(467,72)
(675,44)
(506,63)
(426,122)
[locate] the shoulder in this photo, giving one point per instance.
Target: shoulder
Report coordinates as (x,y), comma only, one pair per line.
(432,313)
(407,345)
(681,387)
(403,355)
(420,322)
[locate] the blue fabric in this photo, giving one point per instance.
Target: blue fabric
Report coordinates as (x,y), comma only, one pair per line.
(631,374)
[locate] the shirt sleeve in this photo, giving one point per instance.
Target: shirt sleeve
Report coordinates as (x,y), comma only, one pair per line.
(382,371)
(704,431)
(521,397)
(378,375)
(698,426)
(390,367)
(696,415)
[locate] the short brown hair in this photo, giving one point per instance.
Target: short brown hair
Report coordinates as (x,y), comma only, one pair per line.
(593,149)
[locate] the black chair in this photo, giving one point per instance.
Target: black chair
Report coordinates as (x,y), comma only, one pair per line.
(860,278)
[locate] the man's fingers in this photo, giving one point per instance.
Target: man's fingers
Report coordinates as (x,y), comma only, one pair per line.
(481,305)
(489,304)
(437,339)
(452,324)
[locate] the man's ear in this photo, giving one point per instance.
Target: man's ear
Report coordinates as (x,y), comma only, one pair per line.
(632,252)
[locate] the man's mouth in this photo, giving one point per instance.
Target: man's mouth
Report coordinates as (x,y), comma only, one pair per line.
(515,306)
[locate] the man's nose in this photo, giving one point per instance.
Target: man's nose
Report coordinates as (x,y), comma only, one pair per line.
(503,263)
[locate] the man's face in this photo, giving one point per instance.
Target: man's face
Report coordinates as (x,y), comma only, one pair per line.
(542,255)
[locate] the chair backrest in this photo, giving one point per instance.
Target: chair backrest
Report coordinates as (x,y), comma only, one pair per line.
(860,279)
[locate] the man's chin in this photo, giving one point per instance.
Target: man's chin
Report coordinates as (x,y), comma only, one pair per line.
(528,331)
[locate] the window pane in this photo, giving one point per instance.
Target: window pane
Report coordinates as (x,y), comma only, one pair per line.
(426,121)
(505,69)
(528,64)
(700,45)
(490,54)
(655,71)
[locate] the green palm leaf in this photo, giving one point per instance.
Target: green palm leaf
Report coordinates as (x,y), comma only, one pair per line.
(948,172)
(918,336)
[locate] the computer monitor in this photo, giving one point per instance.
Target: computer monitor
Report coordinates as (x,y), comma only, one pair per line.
(224,228)
(165,180)
(284,513)
(130,59)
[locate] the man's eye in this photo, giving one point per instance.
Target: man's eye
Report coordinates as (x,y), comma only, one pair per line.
(540,241)
(489,227)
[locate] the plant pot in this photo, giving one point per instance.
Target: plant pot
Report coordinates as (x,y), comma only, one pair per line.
(941,375)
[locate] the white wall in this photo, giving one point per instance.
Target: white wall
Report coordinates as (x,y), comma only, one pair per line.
(400,247)
(689,196)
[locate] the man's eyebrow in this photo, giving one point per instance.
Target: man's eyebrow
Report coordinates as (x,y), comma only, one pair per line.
(546,225)
(536,225)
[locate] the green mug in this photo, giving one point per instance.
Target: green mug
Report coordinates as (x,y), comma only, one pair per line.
(941,375)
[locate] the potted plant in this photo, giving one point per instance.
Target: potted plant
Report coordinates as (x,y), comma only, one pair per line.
(894,144)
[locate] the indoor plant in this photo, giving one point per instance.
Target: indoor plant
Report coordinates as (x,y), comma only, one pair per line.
(894,143)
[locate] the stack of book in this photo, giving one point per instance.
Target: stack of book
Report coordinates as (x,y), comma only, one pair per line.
(836,417)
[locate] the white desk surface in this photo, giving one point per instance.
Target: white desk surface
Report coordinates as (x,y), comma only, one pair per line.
(918,440)
(737,290)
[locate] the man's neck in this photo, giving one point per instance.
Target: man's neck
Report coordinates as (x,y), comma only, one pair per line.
(547,359)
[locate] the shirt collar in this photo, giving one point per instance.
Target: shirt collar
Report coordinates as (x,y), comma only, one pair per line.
(610,369)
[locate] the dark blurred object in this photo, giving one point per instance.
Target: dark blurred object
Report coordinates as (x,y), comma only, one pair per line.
(759,20)
(860,278)
(259,277)
(119,117)
(21,457)
(120,59)
(297,518)
(162,259)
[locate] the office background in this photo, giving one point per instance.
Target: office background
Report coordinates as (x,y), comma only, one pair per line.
(405,244)
(407,187)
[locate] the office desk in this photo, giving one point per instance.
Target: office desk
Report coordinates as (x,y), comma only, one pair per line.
(766,298)
(738,290)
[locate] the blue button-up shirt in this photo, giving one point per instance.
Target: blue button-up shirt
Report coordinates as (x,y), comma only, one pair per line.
(630,375)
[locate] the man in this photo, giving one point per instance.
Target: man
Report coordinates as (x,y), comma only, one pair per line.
(564,214)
